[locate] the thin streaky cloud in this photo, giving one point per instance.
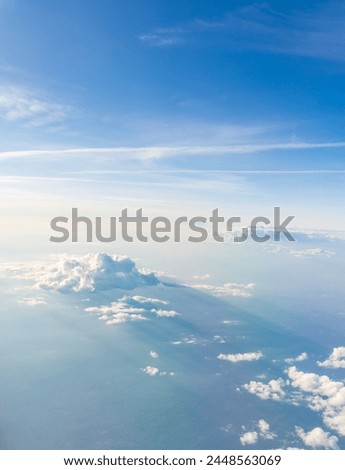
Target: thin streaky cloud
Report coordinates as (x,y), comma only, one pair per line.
(159,152)
(207,171)
(319,33)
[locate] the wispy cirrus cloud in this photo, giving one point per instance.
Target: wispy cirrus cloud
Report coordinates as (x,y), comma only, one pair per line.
(314,32)
(21,104)
(163,37)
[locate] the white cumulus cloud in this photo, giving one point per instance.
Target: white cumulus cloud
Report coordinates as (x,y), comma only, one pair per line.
(249,438)
(264,429)
(273,390)
(93,272)
(150,370)
(251,356)
(326,396)
(336,360)
(301,357)
(164,313)
(317,438)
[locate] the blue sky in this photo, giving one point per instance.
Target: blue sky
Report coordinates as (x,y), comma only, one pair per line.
(146,73)
(200,101)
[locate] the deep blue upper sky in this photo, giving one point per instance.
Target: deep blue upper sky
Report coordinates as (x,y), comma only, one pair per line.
(220,85)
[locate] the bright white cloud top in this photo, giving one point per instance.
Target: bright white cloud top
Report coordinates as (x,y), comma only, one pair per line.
(273,390)
(317,438)
(249,438)
(150,370)
(336,360)
(92,272)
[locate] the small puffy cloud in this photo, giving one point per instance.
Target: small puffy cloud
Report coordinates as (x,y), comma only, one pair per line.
(251,356)
(301,357)
(273,390)
(249,438)
(93,272)
(317,438)
(131,309)
(32,301)
(336,360)
(154,355)
(264,429)
(231,289)
(164,313)
(150,370)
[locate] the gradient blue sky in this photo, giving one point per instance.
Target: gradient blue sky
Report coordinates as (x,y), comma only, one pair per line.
(209,102)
